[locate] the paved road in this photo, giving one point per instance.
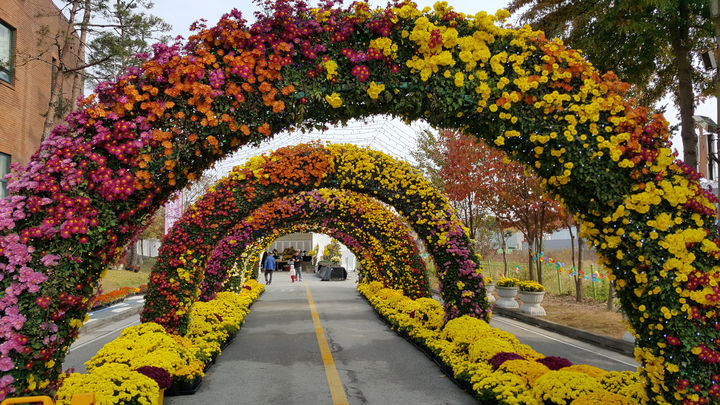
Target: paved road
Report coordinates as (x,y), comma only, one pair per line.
(276,356)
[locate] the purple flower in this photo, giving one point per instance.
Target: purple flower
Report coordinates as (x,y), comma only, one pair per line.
(555,363)
(50,260)
(497,360)
(6,364)
(159,375)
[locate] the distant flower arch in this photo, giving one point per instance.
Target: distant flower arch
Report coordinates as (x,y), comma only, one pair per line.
(182,259)
(371,229)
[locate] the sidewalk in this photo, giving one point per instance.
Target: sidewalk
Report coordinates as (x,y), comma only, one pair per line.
(99,318)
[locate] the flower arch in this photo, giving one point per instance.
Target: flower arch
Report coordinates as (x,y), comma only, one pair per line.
(372,227)
(368,259)
(182,259)
(94,182)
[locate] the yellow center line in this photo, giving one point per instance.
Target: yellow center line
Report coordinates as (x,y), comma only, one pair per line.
(336,388)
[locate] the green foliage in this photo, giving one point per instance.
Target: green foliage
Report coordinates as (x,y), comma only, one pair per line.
(653,45)
(156,228)
(122,30)
(631,38)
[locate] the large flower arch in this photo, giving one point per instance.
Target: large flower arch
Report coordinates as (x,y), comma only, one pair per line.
(94,182)
(181,264)
(373,227)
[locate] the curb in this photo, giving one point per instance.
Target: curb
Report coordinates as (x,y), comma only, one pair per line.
(90,327)
(616,345)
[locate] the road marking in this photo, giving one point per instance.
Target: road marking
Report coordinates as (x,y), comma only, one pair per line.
(563,342)
(79,345)
(336,388)
(121,309)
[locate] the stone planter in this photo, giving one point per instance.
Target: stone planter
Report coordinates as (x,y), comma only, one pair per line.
(531,303)
(628,337)
(507,297)
(489,289)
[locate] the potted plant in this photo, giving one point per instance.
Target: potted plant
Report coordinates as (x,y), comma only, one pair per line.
(490,289)
(187,379)
(507,289)
(160,376)
(531,295)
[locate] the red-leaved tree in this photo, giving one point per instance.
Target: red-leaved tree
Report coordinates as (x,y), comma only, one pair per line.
(483,180)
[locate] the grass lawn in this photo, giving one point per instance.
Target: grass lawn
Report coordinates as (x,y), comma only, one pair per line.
(115,279)
(588,315)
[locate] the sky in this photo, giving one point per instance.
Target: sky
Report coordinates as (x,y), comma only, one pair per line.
(182,13)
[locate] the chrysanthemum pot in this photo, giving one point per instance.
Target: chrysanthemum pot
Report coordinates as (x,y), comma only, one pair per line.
(507,297)
(531,303)
(489,289)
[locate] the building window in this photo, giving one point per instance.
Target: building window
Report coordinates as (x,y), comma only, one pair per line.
(7,51)
(4,169)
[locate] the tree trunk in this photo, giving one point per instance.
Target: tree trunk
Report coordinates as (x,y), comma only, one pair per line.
(79,80)
(611,296)
(132,259)
(504,250)
(539,242)
(57,89)
(530,259)
(578,276)
(578,291)
(679,42)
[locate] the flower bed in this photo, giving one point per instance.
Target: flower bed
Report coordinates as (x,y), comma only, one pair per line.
(492,364)
(115,296)
(120,372)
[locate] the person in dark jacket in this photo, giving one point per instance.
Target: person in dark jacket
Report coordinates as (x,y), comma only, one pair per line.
(269,266)
(297,262)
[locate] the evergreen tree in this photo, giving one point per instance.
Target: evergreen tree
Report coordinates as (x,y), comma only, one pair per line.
(649,44)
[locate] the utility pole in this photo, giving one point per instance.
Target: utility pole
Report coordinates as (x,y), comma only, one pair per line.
(715,13)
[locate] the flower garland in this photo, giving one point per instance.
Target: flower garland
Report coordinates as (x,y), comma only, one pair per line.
(372,226)
(177,277)
(368,259)
(95,180)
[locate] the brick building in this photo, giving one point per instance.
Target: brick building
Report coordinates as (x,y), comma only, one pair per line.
(27,74)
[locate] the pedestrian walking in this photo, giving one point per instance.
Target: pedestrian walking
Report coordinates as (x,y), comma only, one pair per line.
(262,262)
(292,268)
(298,267)
(269,267)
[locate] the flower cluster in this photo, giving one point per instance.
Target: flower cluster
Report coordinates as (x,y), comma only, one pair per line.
(95,180)
(114,296)
(530,286)
(498,367)
(507,282)
(111,383)
(215,322)
(145,358)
